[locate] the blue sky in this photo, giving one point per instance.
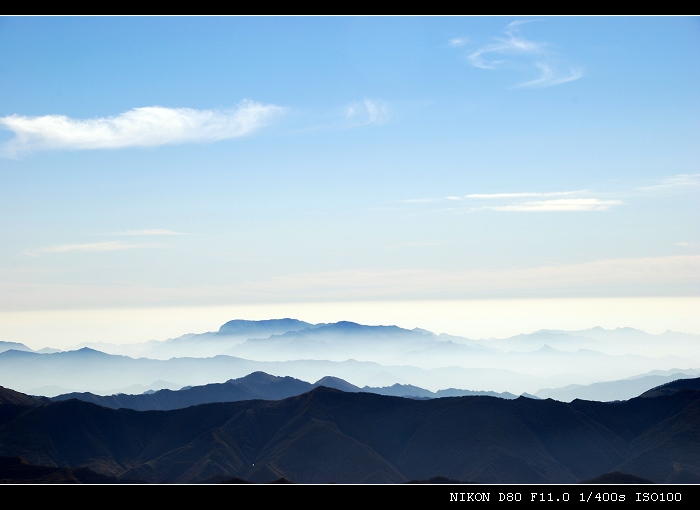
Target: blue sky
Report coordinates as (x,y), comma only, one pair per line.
(206,161)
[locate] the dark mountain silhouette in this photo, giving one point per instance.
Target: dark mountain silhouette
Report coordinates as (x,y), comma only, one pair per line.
(257,385)
(8,396)
(14,403)
(673,387)
(240,480)
(617,478)
(438,480)
(234,480)
(18,470)
(329,436)
(337,383)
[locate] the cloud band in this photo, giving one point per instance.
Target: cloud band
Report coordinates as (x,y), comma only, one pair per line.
(140,127)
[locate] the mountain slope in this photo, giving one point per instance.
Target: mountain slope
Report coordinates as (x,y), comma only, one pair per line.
(17,470)
(257,385)
(6,346)
(674,386)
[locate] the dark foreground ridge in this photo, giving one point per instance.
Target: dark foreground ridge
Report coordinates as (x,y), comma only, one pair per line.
(18,470)
(617,478)
(438,480)
(673,386)
(327,436)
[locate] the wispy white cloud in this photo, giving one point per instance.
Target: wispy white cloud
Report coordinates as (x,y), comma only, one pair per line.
(509,45)
(577,200)
(521,195)
(679,182)
(140,127)
(549,201)
(561,204)
(368,112)
(152,232)
(552,76)
(457,42)
(512,49)
(87,247)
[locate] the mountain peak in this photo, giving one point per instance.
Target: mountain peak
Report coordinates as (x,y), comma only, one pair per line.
(258,377)
(8,396)
(347,325)
(336,383)
(270,326)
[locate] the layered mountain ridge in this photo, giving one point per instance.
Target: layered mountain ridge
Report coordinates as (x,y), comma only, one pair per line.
(257,385)
(326,435)
(593,364)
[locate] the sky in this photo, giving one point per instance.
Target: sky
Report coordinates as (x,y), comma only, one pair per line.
(185,163)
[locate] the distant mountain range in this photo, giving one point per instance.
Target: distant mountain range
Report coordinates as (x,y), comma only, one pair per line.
(326,435)
(105,374)
(291,339)
(257,385)
(624,389)
(6,346)
(260,385)
(375,356)
(100,373)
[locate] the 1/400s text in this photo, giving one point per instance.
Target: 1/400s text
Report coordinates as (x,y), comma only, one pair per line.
(602,496)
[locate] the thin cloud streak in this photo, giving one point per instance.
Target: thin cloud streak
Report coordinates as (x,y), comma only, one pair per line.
(564,204)
(679,182)
(141,127)
(520,195)
(88,247)
(551,76)
(152,232)
(509,202)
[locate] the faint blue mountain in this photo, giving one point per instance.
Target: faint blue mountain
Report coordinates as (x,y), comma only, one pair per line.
(615,390)
(6,346)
